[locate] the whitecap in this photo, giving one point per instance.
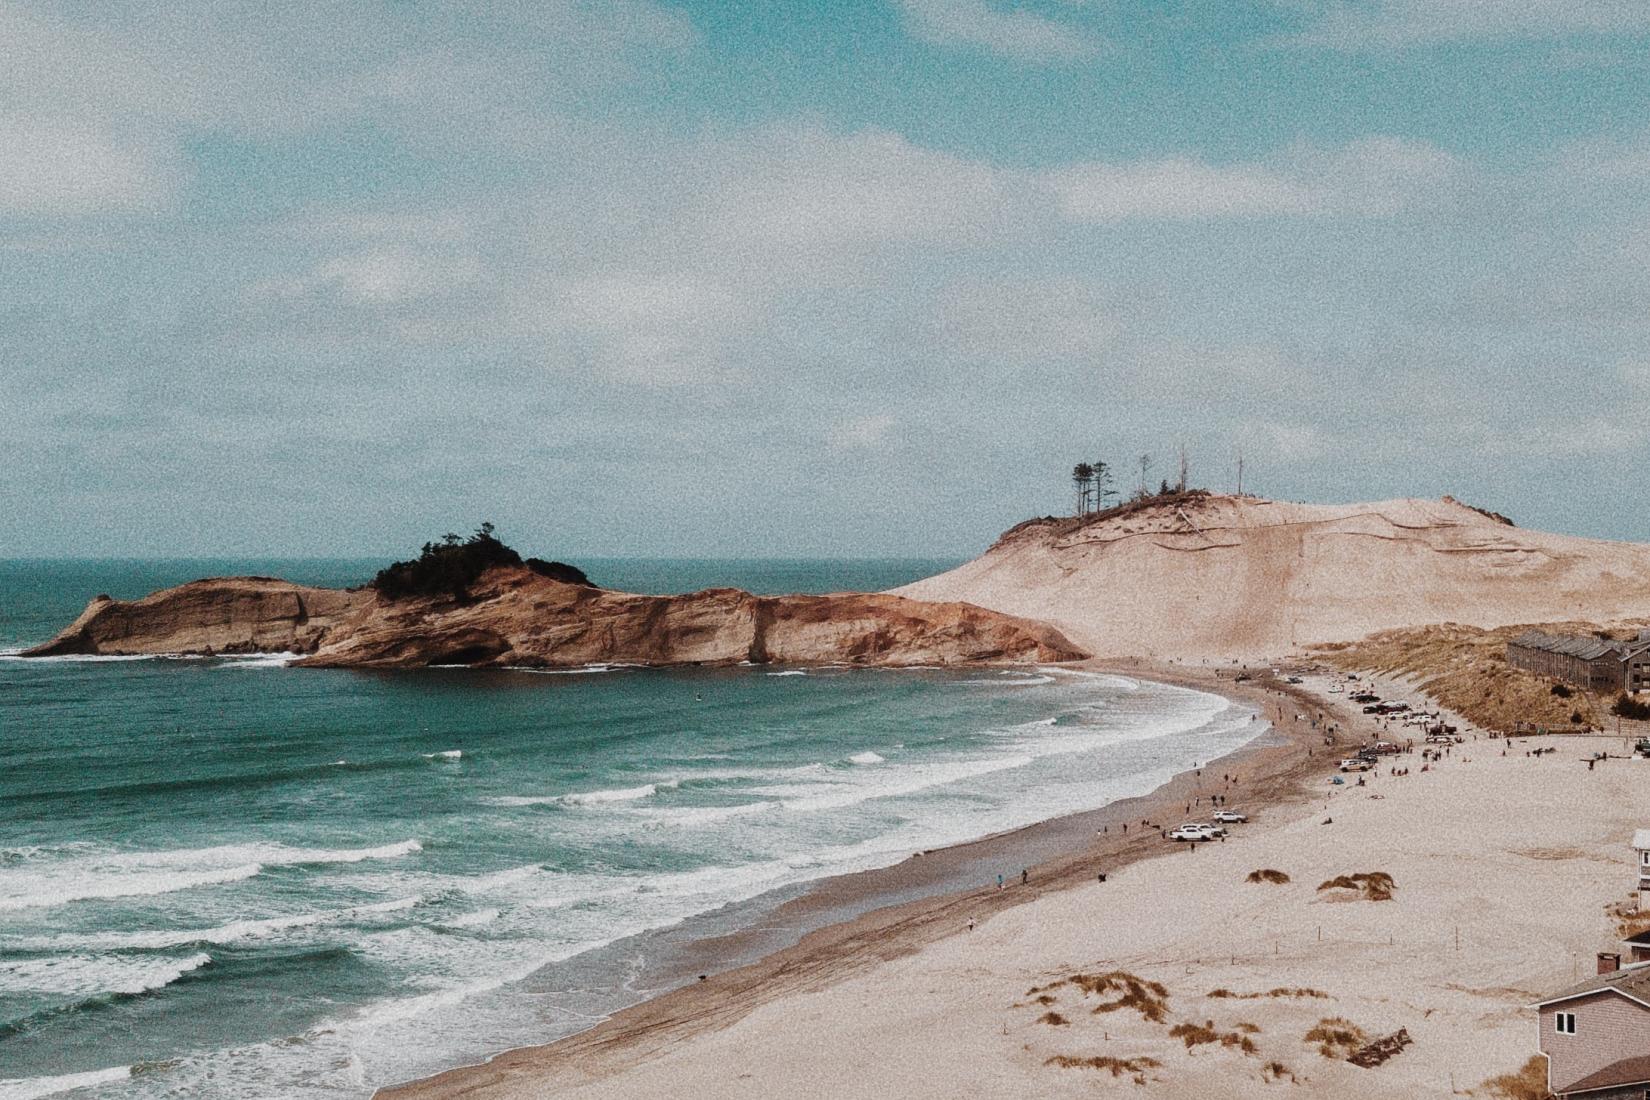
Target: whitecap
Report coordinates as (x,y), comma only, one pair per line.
(864,758)
(141,874)
(95,975)
(449,754)
(790,672)
(33,1088)
(471,920)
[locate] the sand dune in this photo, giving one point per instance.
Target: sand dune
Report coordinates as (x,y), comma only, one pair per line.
(1223,576)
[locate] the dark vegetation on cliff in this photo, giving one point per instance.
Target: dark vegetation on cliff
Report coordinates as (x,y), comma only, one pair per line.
(1167,497)
(451,566)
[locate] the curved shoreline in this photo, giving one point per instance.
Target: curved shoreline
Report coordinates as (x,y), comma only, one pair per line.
(861,919)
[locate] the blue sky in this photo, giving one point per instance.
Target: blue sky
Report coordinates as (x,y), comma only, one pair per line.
(852,278)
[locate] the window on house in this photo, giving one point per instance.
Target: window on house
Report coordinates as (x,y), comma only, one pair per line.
(1564,1023)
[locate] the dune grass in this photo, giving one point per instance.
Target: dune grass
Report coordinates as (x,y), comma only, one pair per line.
(1117,1067)
(1267,875)
(1150,999)
(1280,991)
(1529,1082)
(1465,668)
(1195,1035)
(1336,1036)
(1373,885)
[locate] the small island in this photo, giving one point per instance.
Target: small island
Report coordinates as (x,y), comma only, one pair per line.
(477,602)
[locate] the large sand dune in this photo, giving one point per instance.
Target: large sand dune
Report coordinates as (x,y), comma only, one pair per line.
(1223,576)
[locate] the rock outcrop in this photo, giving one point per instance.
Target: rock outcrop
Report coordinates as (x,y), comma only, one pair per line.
(1208,576)
(514,616)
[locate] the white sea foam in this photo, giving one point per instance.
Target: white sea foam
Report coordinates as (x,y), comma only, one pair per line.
(789,672)
(449,754)
(94,975)
(140,874)
(471,920)
(237,931)
(867,758)
(34,1088)
(38,891)
(259,660)
(583,798)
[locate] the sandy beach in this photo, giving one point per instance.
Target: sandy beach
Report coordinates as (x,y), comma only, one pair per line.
(1495,901)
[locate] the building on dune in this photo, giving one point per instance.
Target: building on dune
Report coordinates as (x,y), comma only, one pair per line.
(1595,1035)
(1596,664)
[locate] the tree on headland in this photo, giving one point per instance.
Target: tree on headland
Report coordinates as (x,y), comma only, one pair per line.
(1082,475)
(451,566)
(1145,465)
(1102,485)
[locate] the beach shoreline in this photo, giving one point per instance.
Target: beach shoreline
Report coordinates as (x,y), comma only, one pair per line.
(857,920)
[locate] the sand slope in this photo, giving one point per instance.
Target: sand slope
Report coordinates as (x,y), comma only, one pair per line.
(1223,576)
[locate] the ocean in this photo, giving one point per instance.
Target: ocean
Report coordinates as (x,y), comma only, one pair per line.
(227,878)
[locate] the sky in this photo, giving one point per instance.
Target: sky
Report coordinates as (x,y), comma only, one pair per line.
(853,278)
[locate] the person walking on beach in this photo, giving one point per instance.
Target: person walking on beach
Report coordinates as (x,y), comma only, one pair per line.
(999,882)
(1023,877)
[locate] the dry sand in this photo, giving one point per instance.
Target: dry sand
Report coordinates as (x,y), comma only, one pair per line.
(1517,855)
(1225,576)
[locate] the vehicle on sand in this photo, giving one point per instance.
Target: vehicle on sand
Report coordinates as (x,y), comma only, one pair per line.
(1229,817)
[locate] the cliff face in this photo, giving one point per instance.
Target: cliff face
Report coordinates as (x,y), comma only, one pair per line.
(514,616)
(223,615)
(1221,576)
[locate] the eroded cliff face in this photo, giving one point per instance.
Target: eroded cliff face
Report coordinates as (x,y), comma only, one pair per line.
(513,616)
(221,615)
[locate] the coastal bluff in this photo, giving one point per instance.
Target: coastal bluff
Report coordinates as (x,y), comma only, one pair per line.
(1199,575)
(513,615)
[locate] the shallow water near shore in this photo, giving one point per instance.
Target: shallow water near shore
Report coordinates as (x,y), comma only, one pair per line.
(226,878)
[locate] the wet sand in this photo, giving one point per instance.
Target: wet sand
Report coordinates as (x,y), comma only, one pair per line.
(895,911)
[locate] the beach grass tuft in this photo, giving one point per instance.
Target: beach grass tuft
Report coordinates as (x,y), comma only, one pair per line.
(1280,991)
(1373,885)
(1276,1071)
(1267,875)
(1528,1083)
(1053,1019)
(1194,1035)
(1336,1036)
(1149,998)
(1117,1067)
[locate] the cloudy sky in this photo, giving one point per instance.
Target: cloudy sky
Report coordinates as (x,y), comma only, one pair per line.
(840,277)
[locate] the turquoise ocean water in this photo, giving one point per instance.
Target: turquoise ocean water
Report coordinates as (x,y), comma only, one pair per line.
(229,878)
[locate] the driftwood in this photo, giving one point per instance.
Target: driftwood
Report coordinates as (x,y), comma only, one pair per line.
(1373,1054)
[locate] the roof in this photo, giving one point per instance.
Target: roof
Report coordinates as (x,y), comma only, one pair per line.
(1641,839)
(1582,646)
(1628,1071)
(1643,938)
(1632,981)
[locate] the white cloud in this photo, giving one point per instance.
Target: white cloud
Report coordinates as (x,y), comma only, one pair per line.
(53,168)
(1375,24)
(655,330)
(1016,321)
(1377,176)
(1015,33)
(1175,188)
(862,433)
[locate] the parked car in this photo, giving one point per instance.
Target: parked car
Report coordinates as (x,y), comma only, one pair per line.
(1229,817)
(1213,830)
(1190,832)
(1294,680)
(1355,764)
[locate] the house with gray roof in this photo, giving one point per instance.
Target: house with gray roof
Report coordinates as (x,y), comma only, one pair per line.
(1595,1034)
(1587,661)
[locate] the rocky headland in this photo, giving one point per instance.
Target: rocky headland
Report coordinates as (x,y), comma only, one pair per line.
(516,615)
